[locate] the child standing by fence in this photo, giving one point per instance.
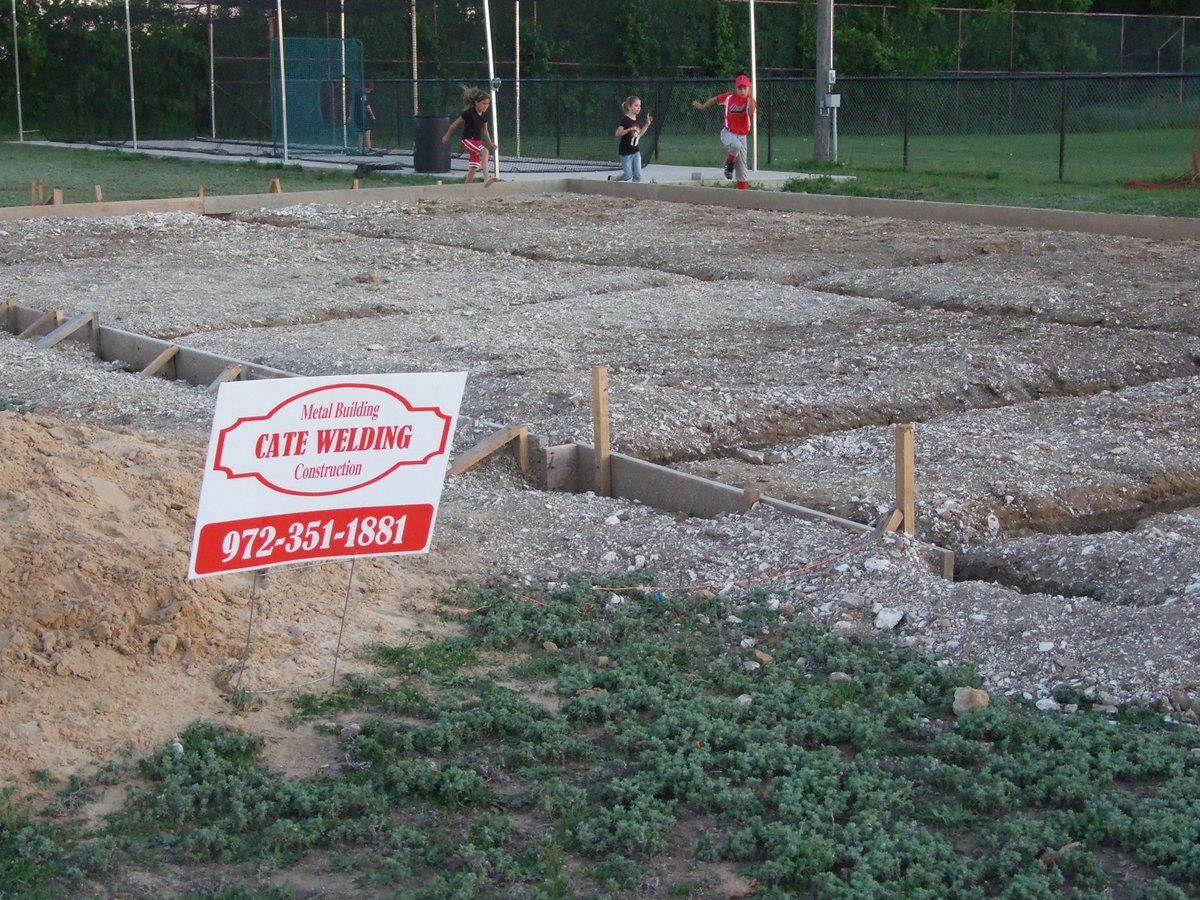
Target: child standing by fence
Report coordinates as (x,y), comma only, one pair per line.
(631,135)
(739,111)
(476,103)
(364,116)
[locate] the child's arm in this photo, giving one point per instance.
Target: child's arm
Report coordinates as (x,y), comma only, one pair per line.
(696,104)
(450,130)
(488,137)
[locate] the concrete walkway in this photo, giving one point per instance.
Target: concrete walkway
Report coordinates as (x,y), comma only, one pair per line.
(401,163)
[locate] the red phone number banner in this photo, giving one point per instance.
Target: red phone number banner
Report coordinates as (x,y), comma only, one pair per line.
(242,544)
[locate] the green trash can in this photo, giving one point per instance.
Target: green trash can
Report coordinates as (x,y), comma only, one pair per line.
(430,155)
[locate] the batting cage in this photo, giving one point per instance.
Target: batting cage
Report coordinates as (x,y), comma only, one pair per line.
(314,91)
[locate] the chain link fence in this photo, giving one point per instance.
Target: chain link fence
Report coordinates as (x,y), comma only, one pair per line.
(1137,126)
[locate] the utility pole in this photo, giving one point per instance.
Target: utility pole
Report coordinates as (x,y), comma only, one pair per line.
(823,120)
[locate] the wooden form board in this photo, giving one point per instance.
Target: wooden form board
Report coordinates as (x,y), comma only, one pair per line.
(489,445)
(571,467)
(138,352)
(47,321)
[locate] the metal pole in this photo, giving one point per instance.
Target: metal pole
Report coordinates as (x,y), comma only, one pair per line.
(413,25)
(834,117)
(753,86)
(345,606)
(129,54)
(212,80)
(17,69)
(261,573)
(282,80)
(517,73)
(487,24)
(342,18)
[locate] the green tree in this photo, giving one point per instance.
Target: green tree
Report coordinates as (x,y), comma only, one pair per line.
(720,59)
(633,44)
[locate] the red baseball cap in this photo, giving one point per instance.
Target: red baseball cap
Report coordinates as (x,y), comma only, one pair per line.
(741,80)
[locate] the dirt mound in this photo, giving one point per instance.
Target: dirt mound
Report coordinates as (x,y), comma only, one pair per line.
(104,643)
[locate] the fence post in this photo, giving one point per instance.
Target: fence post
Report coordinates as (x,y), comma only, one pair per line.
(770,116)
(558,118)
(1062,127)
(658,109)
(907,84)
(1062,104)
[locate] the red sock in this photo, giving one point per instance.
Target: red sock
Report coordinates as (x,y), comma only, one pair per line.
(730,158)
(741,185)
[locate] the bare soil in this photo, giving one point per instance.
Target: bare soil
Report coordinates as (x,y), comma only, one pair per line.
(1053,379)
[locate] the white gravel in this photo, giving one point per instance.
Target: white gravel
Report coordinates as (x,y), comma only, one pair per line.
(1054,380)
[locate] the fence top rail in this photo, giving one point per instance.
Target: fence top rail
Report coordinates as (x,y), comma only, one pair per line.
(670,81)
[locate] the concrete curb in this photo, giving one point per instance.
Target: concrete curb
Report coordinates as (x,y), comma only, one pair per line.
(1116,224)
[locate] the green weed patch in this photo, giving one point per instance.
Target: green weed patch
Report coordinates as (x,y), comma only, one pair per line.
(686,734)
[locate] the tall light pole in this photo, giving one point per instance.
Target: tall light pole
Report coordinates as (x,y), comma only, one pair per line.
(517,72)
(212,80)
(342,32)
(492,83)
(17,68)
(413,17)
(129,54)
(282,79)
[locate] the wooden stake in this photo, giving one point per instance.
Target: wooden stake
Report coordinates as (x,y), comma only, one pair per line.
(600,430)
(56,197)
(99,194)
(230,373)
(354,185)
(905,468)
(889,521)
(67,329)
(275,187)
(9,308)
(33,194)
(200,191)
(159,362)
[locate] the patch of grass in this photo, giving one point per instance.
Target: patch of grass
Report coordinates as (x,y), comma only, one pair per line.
(138,176)
(1087,172)
(861,784)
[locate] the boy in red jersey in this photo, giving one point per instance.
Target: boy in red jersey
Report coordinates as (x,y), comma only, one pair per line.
(739,112)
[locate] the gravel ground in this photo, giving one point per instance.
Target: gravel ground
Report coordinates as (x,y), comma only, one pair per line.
(1053,379)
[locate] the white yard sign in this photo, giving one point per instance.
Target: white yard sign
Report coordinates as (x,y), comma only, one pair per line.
(323,468)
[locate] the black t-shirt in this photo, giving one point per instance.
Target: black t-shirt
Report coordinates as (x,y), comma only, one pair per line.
(629,140)
(473,124)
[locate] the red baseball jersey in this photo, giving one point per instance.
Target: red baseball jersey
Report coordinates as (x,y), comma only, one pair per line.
(737,112)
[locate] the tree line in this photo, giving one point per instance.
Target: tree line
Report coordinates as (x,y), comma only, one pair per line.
(74,74)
